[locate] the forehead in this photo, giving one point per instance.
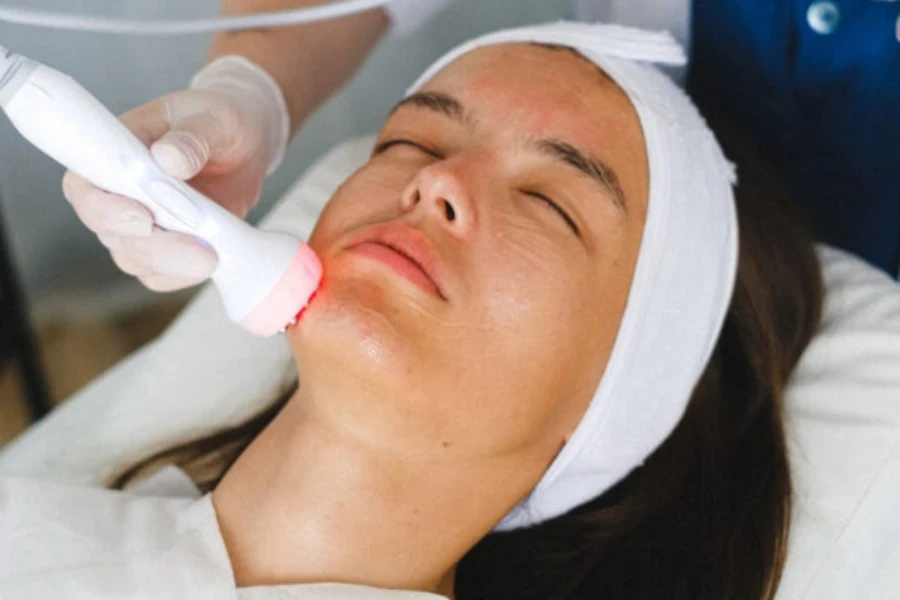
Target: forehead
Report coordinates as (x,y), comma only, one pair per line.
(541,91)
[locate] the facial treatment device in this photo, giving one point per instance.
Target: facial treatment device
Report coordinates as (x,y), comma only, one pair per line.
(265,278)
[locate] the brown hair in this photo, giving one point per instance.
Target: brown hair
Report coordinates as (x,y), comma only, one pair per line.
(707,515)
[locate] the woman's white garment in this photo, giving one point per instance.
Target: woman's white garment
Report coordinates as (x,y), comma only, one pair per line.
(158,540)
(683,279)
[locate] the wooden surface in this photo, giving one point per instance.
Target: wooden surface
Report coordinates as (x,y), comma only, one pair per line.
(75,353)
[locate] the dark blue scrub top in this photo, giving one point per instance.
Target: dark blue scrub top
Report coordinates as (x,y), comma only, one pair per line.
(818,88)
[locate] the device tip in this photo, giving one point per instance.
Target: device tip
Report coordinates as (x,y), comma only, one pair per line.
(296,287)
(302,312)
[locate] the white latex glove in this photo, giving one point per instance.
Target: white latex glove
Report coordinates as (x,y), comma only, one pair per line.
(224,134)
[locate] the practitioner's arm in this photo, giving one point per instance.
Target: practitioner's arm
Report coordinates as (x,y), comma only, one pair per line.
(309,62)
(225,133)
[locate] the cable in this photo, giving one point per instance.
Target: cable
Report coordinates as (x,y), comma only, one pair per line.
(297,16)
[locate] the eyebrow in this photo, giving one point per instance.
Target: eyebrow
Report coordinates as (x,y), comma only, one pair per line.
(594,168)
(437,102)
(555,148)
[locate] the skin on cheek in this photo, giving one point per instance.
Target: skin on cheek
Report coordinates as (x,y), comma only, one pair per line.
(528,296)
(550,303)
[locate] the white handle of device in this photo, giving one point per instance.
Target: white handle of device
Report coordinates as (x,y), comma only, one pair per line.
(62,119)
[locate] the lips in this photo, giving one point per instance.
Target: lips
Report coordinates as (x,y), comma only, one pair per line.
(410,244)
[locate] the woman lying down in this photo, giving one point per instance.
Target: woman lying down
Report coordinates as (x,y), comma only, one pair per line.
(578,395)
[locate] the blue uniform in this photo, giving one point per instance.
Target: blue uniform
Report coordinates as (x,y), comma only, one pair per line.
(817,85)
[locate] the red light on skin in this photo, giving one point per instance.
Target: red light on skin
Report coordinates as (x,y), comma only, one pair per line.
(303,310)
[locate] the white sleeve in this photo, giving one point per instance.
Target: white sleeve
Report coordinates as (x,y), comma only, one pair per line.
(407,15)
(66,541)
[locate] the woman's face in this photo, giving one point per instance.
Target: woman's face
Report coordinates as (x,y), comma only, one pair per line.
(518,177)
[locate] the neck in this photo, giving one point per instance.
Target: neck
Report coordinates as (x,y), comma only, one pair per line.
(309,501)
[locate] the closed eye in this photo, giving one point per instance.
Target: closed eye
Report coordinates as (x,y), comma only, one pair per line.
(383,146)
(562,213)
(387,144)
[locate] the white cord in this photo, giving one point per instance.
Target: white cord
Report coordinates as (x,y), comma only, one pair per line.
(53,20)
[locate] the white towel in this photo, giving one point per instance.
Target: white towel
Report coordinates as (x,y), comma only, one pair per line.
(67,541)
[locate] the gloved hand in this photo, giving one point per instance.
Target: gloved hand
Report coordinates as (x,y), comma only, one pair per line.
(224,134)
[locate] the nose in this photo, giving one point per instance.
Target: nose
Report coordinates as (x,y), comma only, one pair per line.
(443,192)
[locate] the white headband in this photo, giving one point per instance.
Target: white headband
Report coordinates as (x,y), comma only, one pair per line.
(682,283)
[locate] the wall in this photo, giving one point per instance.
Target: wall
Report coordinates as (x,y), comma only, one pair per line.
(65,270)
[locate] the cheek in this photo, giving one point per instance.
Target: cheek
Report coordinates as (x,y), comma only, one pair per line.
(368,196)
(548,309)
(326,226)
(529,280)
(538,337)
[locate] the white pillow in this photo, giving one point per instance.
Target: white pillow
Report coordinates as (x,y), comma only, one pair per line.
(843,424)
(843,408)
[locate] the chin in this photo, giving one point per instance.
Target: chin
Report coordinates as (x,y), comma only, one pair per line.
(355,323)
